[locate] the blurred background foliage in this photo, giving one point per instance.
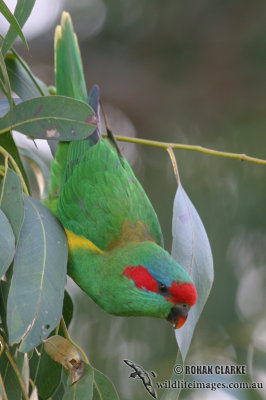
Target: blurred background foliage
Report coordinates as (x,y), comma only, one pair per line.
(191,72)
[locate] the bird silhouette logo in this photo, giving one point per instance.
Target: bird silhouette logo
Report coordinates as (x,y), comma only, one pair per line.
(140,373)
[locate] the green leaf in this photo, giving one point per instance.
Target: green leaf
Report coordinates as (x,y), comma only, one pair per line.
(82,389)
(3,394)
(4,105)
(4,289)
(68,309)
(12,202)
(45,373)
(22,12)
(51,117)
(7,142)
(34,160)
(61,388)
(36,294)
(10,378)
(13,21)
(7,244)
(5,84)
(22,80)
(105,386)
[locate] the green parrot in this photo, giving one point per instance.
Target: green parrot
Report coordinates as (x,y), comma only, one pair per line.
(114,237)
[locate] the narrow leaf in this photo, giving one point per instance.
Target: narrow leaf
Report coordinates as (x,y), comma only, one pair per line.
(68,308)
(13,21)
(7,244)
(5,81)
(4,106)
(83,389)
(104,386)
(12,202)
(22,80)
(51,117)
(9,376)
(34,160)
(45,373)
(37,289)
(3,394)
(22,12)
(191,249)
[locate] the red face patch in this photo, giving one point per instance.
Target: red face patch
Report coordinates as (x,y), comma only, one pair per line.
(179,292)
(183,293)
(142,278)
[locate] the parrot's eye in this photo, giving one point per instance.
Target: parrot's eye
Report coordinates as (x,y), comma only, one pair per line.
(163,289)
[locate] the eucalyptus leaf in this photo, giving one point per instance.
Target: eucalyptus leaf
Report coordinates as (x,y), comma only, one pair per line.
(104,386)
(82,389)
(34,160)
(4,79)
(191,249)
(12,202)
(7,244)
(68,308)
(4,105)
(21,13)
(45,373)
(51,117)
(22,80)
(36,294)
(9,376)
(7,142)
(13,21)
(3,394)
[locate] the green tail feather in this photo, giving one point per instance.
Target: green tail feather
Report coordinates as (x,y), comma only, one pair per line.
(70,81)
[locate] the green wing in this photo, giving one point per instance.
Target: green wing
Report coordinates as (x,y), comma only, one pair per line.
(100,197)
(103,201)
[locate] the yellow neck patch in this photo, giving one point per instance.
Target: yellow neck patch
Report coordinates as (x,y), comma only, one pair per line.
(80,242)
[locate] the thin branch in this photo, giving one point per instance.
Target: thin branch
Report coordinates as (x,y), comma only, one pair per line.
(165,145)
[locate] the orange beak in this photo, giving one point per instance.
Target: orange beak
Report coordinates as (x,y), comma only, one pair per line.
(178,315)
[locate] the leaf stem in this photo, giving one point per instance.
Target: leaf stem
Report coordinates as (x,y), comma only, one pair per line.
(98,390)
(16,168)
(201,149)
(3,388)
(16,370)
(174,163)
(64,327)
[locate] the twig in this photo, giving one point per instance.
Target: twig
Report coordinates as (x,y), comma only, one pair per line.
(165,145)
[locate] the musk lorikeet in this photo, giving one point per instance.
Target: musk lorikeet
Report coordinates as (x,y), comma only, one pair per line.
(114,237)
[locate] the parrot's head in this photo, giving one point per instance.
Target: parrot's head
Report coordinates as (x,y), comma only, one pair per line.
(154,284)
